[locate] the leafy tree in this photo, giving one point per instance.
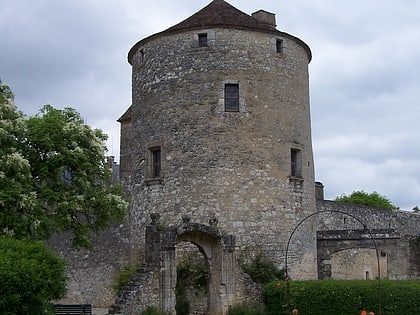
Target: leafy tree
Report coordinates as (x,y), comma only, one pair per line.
(53,175)
(30,277)
(6,94)
(15,172)
(416,209)
(363,198)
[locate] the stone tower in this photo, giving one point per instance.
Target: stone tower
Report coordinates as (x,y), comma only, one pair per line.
(219,128)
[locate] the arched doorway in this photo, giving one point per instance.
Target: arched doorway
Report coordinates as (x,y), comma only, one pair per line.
(192,285)
(218,253)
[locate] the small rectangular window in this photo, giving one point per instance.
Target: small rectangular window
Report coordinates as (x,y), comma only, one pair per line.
(295,165)
(156,161)
(202,40)
(279,46)
(232,97)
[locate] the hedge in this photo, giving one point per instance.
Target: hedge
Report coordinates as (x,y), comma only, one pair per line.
(332,297)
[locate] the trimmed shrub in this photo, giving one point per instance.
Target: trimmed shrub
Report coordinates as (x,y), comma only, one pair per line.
(331,297)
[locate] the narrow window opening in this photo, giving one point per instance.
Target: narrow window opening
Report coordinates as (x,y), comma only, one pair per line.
(141,55)
(202,40)
(232,97)
(295,165)
(279,46)
(156,161)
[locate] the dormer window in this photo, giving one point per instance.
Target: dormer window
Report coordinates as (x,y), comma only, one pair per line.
(279,45)
(202,40)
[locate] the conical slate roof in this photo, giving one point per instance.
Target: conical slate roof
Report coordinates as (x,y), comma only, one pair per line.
(222,14)
(219,13)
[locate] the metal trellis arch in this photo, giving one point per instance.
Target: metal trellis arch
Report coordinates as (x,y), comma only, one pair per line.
(364,226)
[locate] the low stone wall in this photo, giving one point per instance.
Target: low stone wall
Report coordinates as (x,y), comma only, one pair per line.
(91,272)
(141,292)
(405,222)
(348,229)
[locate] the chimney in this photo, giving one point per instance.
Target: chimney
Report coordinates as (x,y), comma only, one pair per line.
(110,161)
(319,191)
(265,17)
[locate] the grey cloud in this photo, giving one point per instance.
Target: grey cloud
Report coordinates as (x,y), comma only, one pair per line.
(364,74)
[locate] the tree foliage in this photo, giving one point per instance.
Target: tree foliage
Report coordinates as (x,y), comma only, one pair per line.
(30,277)
(53,175)
(262,270)
(363,198)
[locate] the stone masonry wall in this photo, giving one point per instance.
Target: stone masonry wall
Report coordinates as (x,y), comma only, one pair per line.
(407,223)
(91,273)
(233,166)
(396,236)
(140,293)
(125,154)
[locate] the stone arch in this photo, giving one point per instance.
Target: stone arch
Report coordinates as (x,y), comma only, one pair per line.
(356,243)
(357,263)
(218,251)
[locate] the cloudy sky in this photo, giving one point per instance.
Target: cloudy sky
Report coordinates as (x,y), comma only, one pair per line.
(365,75)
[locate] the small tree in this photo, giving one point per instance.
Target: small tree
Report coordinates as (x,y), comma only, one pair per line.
(363,198)
(54,175)
(31,275)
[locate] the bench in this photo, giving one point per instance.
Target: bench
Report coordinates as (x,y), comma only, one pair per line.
(73,309)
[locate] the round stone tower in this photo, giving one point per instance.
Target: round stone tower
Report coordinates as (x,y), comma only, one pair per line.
(220,129)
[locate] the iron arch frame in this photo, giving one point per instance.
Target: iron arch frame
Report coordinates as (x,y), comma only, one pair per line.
(364,226)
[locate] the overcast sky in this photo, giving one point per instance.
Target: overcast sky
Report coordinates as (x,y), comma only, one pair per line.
(365,75)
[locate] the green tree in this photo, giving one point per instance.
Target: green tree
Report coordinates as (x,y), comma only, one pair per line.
(15,171)
(363,198)
(30,277)
(53,175)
